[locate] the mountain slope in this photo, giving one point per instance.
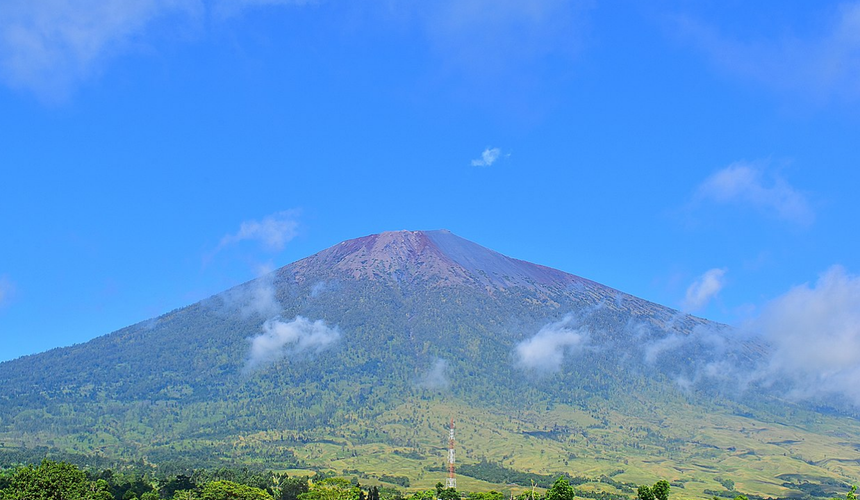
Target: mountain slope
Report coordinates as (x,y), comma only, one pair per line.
(368,347)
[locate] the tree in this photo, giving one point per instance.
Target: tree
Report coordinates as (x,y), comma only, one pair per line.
(449,494)
(332,488)
(228,490)
(180,482)
(560,490)
(54,481)
(292,487)
(661,490)
(852,495)
(486,495)
(644,493)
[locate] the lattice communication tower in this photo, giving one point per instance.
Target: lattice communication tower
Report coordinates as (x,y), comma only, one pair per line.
(451,481)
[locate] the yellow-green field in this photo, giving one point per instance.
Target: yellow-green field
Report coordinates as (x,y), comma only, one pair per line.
(692,449)
(684,448)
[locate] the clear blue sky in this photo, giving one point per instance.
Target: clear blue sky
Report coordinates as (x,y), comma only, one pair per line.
(703,155)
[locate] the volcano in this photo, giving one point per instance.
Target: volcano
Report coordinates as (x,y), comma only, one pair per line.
(356,357)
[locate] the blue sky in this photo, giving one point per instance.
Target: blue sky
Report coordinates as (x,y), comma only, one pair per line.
(703,155)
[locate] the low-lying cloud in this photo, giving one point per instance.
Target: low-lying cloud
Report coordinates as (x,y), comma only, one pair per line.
(287,339)
(804,345)
(436,377)
(704,289)
(545,351)
(814,331)
(257,298)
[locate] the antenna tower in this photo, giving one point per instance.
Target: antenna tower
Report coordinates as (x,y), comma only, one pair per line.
(451,482)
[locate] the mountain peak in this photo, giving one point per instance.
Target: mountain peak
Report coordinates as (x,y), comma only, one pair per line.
(438,256)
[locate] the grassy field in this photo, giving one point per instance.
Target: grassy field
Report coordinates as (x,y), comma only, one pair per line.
(697,452)
(692,452)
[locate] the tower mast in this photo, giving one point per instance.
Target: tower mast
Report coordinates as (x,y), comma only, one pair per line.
(451,482)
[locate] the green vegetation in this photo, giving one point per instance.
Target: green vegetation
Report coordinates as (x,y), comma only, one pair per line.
(174,391)
(52,480)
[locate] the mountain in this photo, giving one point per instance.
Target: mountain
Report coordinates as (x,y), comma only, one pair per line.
(355,358)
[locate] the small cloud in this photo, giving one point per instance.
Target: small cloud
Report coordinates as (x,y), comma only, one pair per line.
(705,288)
(436,378)
(273,231)
(750,184)
(7,290)
(318,289)
(544,352)
(815,335)
(289,339)
(257,298)
(488,157)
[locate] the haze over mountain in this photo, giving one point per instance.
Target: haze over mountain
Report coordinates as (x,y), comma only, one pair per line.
(366,348)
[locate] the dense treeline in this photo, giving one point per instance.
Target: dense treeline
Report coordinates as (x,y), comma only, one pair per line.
(496,473)
(64,481)
(58,480)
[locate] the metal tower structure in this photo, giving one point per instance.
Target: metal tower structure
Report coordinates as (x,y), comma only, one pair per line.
(451,482)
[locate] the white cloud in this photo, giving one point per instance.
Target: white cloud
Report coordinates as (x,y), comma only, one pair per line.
(274,231)
(805,345)
(749,184)
(488,157)
(255,298)
(545,351)
(705,288)
(48,46)
(436,377)
(820,67)
(815,335)
(289,339)
(7,289)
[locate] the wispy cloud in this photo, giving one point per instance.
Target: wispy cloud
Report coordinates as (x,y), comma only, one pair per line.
(705,288)
(822,66)
(51,45)
(273,231)
(488,38)
(488,157)
(545,351)
(230,8)
(750,184)
(296,337)
(436,377)
(815,334)
(7,289)
(257,298)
